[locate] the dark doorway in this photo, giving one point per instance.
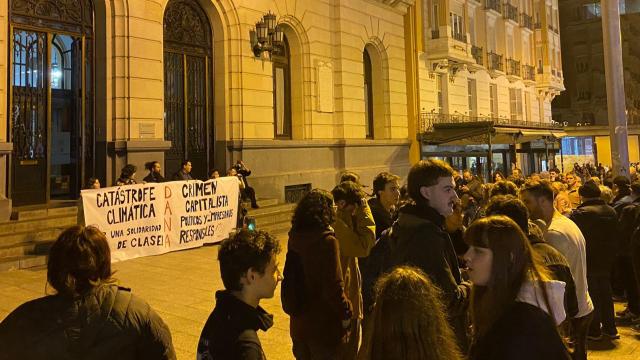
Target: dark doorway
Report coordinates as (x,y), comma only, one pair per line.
(51,107)
(187,87)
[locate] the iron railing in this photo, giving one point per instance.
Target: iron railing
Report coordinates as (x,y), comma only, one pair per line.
(494,61)
(476,52)
(459,36)
(513,67)
(510,12)
(427,120)
(493,5)
(528,72)
(526,21)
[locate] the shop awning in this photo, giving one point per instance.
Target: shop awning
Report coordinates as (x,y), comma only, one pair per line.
(478,134)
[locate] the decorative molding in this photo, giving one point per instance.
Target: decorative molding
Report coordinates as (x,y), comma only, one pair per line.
(186,25)
(139,145)
(295,145)
(398,5)
(70,15)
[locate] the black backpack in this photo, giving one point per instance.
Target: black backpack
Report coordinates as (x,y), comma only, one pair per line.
(293,291)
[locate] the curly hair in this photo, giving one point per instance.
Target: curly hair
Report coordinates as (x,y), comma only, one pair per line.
(408,320)
(128,171)
(314,211)
(503,187)
(243,251)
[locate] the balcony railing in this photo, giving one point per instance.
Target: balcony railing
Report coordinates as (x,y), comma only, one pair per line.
(435,34)
(493,5)
(476,52)
(459,36)
(427,121)
(494,61)
(528,72)
(526,21)
(510,12)
(513,67)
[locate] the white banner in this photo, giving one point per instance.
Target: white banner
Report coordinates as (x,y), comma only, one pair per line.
(151,219)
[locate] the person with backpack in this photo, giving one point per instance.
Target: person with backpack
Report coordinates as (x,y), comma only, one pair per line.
(418,238)
(249,271)
(515,306)
(313,292)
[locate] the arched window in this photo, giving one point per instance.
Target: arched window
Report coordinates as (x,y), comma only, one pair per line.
(282,92)
(51,109)
(368,94)
(187,86)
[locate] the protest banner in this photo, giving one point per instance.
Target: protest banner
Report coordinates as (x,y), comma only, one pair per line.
(155,218)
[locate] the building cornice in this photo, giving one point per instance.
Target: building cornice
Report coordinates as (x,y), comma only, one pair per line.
(399,6)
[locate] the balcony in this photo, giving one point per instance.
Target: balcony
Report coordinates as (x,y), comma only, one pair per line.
(513,68)
(450,47)
(495,64)
(548,78)
(528,73)
(459,36)
(526,21)
(510,12)
(427,121)
(493,5)
(476,52)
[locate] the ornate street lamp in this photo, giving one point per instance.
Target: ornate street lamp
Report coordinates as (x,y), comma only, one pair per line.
(267,36)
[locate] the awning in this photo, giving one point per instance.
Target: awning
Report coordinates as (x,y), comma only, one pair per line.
(478,135)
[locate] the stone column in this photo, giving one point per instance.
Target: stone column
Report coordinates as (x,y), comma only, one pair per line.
(613,66)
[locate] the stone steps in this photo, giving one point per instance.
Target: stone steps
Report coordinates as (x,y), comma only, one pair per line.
(25,240)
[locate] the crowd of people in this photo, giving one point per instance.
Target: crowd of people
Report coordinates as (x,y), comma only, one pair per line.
(447,266)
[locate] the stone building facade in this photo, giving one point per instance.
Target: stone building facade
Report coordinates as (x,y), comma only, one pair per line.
(493,63)
(87,86)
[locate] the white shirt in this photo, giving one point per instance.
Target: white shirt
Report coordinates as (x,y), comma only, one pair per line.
(564,235)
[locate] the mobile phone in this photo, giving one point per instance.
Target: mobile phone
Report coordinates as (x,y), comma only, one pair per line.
(250,223)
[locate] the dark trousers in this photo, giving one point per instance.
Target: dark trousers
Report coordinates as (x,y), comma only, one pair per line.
(630,284)
(249,194)
(579,330)
(600,291)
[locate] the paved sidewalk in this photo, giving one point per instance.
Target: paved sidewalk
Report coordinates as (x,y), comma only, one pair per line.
(181,286)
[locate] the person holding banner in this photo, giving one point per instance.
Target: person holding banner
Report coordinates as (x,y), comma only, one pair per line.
(154,172)
(89,317)
(249,273)
(184,173)
(127,175)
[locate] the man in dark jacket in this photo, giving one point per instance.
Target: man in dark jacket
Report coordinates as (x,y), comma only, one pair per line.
(472,186)
(628,221)
(184,173)
(89,317)
(249,273)
(387,194)
(418,238)
(598,223)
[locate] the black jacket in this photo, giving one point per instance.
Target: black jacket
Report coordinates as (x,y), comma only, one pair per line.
(181,175)
(107,323)
(154,177)
(598,223)
(627,224)
(231,330)
(417,238)
(380,215)
(524,332)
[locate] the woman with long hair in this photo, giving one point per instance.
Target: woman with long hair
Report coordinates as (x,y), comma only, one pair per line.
(127,175)
(515,306)
(408,320)
(313,289)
